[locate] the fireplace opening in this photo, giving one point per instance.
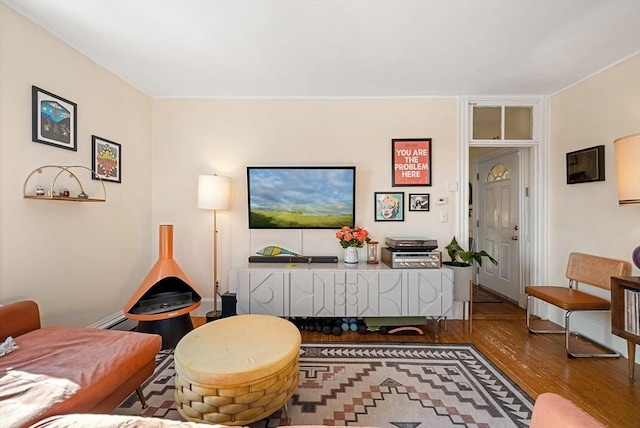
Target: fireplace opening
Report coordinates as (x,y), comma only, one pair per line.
(169,294)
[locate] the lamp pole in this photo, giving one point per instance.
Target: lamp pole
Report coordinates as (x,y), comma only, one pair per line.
(214,194)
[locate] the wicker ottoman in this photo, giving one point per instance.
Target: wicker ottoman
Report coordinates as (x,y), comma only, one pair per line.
(236,370)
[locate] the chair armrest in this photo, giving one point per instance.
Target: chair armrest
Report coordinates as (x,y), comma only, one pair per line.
(18,318)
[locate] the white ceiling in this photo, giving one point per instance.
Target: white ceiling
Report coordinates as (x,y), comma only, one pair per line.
(395,48)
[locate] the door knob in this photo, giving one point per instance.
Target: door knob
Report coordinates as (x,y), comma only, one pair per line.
(514,238)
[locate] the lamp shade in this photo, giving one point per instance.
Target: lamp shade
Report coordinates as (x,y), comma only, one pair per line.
(628,169)
(213,192)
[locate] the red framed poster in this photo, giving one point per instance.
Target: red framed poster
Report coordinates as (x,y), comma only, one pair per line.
(411,162)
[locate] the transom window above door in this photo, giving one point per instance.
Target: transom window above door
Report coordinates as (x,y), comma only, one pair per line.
(502,122)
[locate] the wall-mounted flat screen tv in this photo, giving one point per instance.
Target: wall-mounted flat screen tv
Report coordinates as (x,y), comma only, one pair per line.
(301,197)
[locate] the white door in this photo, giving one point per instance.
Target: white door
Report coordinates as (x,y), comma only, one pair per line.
(498,183)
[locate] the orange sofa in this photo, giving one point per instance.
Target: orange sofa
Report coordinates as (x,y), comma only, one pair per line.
(61,370)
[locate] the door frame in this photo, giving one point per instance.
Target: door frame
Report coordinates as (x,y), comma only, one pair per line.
(523,223)
(534,199)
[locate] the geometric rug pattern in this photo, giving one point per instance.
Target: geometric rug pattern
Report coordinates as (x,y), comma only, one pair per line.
(398,385)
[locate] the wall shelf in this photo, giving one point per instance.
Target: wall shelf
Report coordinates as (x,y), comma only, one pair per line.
(51,194)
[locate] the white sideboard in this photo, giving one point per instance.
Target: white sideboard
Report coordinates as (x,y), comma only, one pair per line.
(337,290)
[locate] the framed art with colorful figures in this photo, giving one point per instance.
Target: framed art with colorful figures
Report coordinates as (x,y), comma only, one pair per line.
(106,160)
(54,120)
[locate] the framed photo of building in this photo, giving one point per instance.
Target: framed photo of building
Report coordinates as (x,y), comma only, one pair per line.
(106,160)
(389,206)
(53,120)
(411,162)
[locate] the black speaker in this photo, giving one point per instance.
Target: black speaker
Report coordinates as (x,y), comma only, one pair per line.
(228,304)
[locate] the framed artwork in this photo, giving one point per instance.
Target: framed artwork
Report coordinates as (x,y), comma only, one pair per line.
(389,206)
(53,120)
(585,165)
(411,162)
(418,202)
(106,160)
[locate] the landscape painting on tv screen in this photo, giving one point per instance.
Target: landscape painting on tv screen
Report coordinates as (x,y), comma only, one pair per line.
(301,197)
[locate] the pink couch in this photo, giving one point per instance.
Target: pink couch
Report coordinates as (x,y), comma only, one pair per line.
(60,370)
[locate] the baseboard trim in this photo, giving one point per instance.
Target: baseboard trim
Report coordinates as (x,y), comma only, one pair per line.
(110,321)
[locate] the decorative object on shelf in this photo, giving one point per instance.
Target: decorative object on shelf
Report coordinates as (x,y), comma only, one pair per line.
(274,250)
(585,165)
(106,159)
(411,162)
(214,193)
(627,151)
(53,120)
(389,206)
(419,202)
(64,195)
(372,252)
(351,239)
(351,255)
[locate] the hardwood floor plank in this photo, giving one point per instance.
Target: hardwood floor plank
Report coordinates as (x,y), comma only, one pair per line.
(537,363)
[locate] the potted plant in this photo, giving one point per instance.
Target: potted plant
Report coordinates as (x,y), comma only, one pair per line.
(351,239)
(461,263)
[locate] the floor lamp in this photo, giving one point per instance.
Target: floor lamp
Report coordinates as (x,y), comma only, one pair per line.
(627,150)
(214,194)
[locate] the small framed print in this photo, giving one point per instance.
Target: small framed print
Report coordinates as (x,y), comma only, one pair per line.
(53,120)
(389,206)
(411,162)
(418,202)
(106,160)
(585,165)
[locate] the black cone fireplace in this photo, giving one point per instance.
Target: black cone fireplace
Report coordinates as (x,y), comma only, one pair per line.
(166,296)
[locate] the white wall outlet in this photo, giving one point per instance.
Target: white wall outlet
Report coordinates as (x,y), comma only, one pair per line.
(452,186)
(441,200)
(444,216)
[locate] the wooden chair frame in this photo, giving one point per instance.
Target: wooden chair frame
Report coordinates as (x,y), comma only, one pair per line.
(581,268)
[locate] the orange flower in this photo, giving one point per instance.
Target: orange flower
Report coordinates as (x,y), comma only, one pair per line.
(355,237)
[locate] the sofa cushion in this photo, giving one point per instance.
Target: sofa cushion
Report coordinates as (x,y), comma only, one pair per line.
(116,421)
(86,364)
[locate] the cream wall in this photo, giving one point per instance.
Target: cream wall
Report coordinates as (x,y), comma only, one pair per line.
(194,137)
(79,261)
(586,217)
(90,257)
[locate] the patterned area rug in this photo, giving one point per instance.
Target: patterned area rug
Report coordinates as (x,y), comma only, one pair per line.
(378,385)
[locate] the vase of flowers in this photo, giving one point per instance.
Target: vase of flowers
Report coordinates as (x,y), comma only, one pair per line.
(351,239)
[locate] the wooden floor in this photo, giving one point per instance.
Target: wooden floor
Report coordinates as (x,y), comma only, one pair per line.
(537,363)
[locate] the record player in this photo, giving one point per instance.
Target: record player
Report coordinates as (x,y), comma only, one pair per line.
(412,243)
(411,253)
